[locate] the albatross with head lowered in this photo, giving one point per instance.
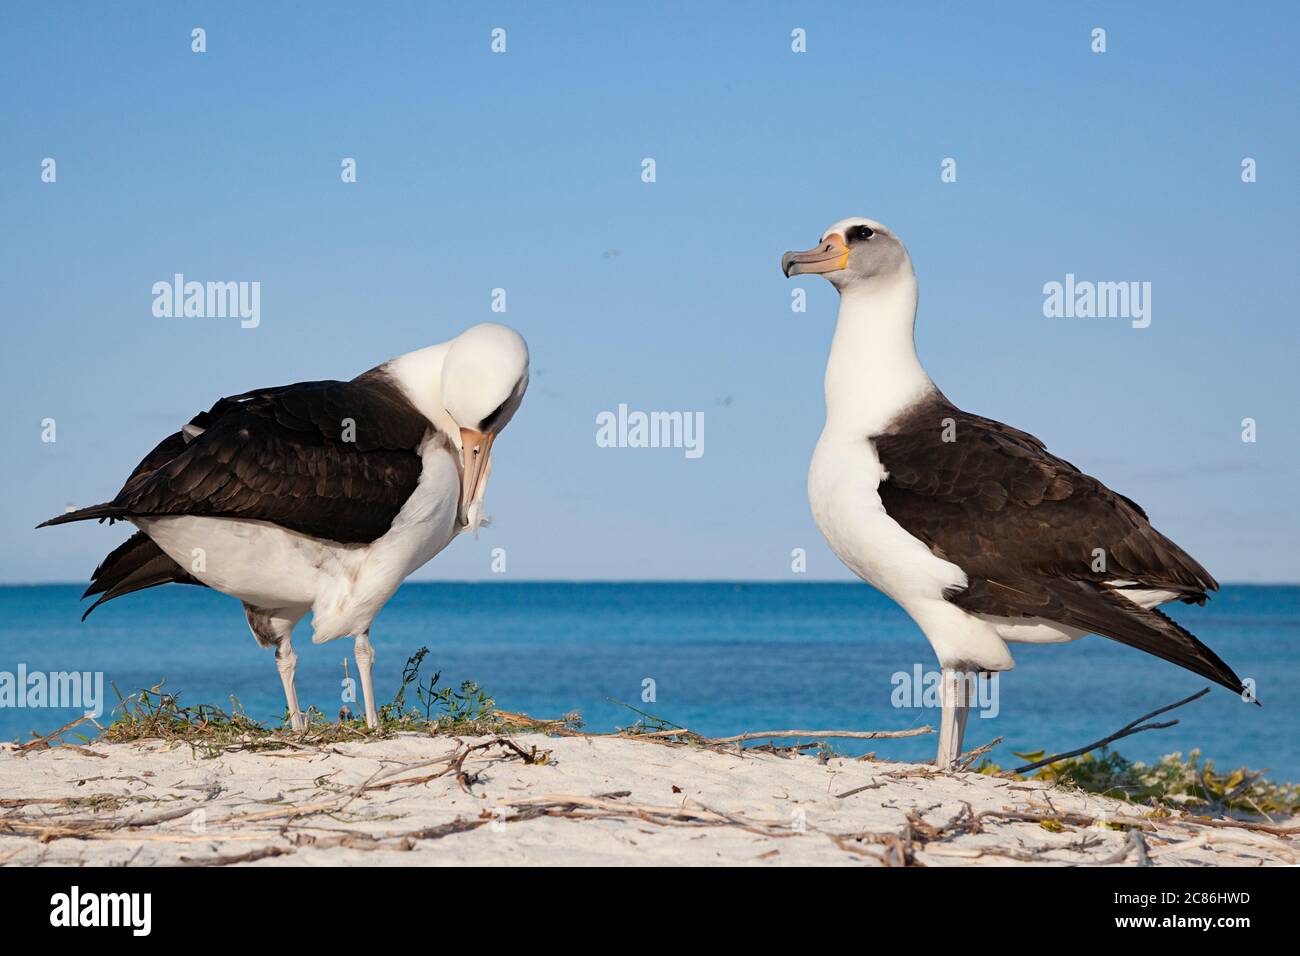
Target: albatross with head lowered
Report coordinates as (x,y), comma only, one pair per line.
(973,527)
(321,496)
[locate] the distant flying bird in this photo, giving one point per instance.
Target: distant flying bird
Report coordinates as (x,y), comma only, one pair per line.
(981,534)
(320,496)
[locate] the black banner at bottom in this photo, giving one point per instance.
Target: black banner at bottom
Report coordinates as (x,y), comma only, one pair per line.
(220,905)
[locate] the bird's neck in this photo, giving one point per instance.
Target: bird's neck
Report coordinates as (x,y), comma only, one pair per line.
(873,372)
(419,375)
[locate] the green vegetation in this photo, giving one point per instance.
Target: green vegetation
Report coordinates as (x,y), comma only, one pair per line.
(467,706)
(155,714)
(1188,783)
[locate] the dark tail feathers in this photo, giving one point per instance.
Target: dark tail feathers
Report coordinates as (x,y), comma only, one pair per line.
(136,564)
(106,510)
(1105,612)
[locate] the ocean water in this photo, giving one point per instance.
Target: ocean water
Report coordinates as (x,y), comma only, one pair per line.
(723,658)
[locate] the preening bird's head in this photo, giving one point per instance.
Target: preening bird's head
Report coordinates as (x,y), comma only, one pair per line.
(484,377)
(851,252)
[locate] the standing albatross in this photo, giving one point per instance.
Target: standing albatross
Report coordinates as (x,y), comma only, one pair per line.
(320,496)
(972,526)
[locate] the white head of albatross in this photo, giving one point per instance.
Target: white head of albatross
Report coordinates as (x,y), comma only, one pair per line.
(850,253)
(873,372)
(973,527)
(470,386)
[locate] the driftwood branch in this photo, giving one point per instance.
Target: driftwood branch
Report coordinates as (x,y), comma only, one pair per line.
(252,855)
(43,742)
(965,760)
(670,732)
(829,734)
(1135,727)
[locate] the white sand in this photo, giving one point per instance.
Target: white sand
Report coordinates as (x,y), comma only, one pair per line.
(684,806)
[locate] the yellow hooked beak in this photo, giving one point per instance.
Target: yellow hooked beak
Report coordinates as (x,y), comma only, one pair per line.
(831,255)
(476,448)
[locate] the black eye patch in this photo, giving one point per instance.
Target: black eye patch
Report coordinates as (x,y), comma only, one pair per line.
(505,408)
(487,423)
(860,232)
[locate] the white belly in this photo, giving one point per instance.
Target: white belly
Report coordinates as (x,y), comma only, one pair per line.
(345,585)
(843,485)
(263,564)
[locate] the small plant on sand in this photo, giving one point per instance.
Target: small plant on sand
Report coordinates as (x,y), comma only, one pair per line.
(442,709)
(155,714)
(1188,783)
(647,723)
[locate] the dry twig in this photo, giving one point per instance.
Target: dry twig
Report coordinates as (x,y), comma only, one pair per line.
(1126,731)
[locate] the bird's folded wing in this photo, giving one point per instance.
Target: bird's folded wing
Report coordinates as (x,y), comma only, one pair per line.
(991,499)
(1036,537)
(335,460)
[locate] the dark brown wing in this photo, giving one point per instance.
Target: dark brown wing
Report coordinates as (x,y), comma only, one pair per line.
(336,460)
(1036,536)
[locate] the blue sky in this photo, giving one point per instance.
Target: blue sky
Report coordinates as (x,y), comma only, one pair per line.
(522,170)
